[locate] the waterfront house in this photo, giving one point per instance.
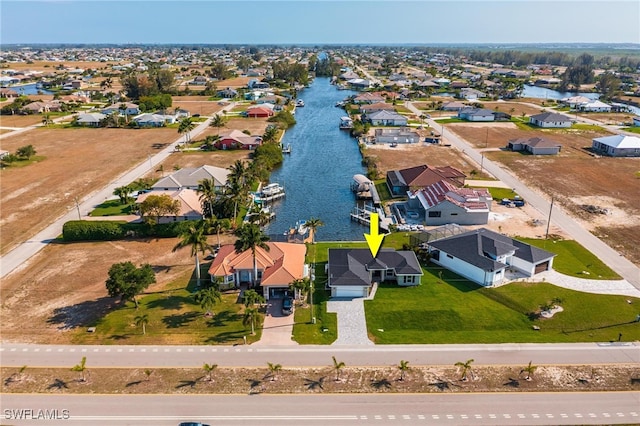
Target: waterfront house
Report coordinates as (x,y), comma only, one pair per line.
(352,272)
(8,93)
(401,181)
(574,101)
(594,106)
(190,177)
(617,146)
(401,135)
(442,203)
(386,118)
(277,268)
(128,108)
(550,120)
(471,94)
(378,106)
(485,257)
(190,207)
(90,119)
(476,114)
(259,111)
(359,83)
(535,146)
(368,98)
(235,139)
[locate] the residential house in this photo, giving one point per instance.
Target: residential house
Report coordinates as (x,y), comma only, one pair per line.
(617,145)
(574,101)
(154,120)
(277,268)
(378,106)
(129,108)
(257,84)
(443,203)
(199,80)
(260,111)
(453,106)
(550,120)
(190,177)
(235,139)
(485,257)
(359,83)
(471,94)
(476,114)
(368,98)
(386,118)
(190,207)
(352,272)
(401,135)
(8,93)
(535,145)
(41,107)
(594,106)
(636,121)
(349,75)
(90,119)
(228,93)
(400,182)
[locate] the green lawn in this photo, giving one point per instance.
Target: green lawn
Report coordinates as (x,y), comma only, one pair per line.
(25,162)
(325,329)
(635,129)
(454,310)
(499,193)
(111,208)
(383,189)
(174,318)
(573,259)
(450,120)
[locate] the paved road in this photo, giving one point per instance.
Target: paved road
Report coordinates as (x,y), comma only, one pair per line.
(335,410)
(17,355)
(559,217)
(19,255)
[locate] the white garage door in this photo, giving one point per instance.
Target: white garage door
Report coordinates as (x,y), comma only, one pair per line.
(349,292)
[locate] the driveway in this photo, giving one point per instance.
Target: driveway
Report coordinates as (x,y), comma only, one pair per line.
(278,328)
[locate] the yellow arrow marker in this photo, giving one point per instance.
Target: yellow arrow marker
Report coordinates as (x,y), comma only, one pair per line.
(374,240)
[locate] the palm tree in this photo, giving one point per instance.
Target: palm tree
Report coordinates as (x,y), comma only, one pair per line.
(218,121)
(529,369)
(185,127)
(251,297)
(213,224)
(123,192)
(313,224)
(81,368)
(250,237)
(274,369)
(197,240)
(142,320)
(147,372)
(250,317)
(46,119)
(337,366)
(302,285)
(238,172)
(403,367)
(466,367)
(207,298)
(207,193)
(208,368)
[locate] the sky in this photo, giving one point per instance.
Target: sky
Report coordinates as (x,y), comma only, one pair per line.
(319,21)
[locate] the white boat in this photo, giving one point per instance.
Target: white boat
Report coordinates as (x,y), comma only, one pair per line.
(272,189)
(346,123)
(299,103)
(301,227)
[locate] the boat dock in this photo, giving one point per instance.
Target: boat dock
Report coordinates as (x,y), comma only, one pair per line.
(363,217)
(286,149)
(365,189)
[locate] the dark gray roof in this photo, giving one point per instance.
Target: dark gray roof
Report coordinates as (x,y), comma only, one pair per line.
(475,247)
(551,117)
(352,266)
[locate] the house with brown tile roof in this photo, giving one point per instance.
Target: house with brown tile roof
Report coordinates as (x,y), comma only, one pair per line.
(378,106)
(277,268)
(190,207)
(235,139)
(401,181)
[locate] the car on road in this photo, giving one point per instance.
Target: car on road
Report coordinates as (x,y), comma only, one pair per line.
(287,305)
(192,424)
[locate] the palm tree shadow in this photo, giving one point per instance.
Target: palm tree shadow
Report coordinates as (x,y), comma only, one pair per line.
(137,382)
(314,384)
(82,314)
(189,383)
(380,384)
(514,383)
(443,385)
(58,384)
(253,386)
(179,320)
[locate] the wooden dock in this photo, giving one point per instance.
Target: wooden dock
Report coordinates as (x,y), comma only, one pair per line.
(363,217)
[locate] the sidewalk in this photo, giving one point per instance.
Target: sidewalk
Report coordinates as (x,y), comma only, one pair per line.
(619,287)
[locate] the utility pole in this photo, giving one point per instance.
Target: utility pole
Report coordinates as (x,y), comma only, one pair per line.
(78,208)
(486,141)
(482,163)
(549,220)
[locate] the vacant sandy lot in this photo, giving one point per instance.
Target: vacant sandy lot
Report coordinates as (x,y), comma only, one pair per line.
(20,120)
(77,162)
(196,104)
(221,158)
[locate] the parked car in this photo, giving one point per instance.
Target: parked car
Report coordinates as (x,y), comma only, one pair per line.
(287,305)
(192,424)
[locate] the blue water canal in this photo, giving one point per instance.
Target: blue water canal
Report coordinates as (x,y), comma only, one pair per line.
(318,173)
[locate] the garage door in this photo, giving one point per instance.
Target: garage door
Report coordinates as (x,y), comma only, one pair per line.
(349,292)
(541,267)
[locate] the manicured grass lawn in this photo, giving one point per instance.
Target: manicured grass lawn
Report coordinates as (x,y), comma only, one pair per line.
(632,129)
(450,120)
(499,193)
(325,330)
(111,208)
(383,189)
(174,318)
(454,310)
(573,259)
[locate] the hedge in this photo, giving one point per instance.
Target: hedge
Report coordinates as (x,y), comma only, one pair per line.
(107,230)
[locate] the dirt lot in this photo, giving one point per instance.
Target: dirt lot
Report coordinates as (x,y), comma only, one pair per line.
(418,379)
(20,120)
(74,166)
(196,104)
(196,159)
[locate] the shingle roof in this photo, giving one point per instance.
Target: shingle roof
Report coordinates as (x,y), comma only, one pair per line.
(620,141)
(350,267)
(424,175)
(191,176)
(550,117)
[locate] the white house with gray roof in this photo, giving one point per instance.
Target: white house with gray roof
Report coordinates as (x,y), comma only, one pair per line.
(617,145)
(190,178)
(550,120)
(351,272)
(386,118)
(476,114)
(484,256)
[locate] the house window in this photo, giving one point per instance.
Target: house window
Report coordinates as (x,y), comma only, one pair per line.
(435,214)
(410,279)
(454,214)
(229,278)
(449,256)
(389,272)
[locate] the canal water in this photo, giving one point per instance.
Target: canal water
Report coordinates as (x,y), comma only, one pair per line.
(318,173)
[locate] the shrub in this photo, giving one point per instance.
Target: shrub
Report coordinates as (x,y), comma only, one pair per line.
(83,230)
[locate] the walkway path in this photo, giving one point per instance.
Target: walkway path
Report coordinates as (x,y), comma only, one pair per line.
(352,324)
(621,287)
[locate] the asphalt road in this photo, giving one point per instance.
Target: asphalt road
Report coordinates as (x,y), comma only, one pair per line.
(609,256)
(20,254)
(17,355)
(319,409)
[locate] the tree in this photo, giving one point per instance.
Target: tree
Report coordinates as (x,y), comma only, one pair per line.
(274,369)
(156,206)
(213,224)
(608,85)
(195,238)
(252,297)
(313,224)
(142,320)
(207,194)
(207,298)
(46,119)
(147,372)
(250,237)
(209,368)
(185,126)
(218,121)
(529,369)
(250,317)
(127,281)
(403,367)
(26,152)
(302,285)
(81,368)
(337,366)
(466,368)
(123,192)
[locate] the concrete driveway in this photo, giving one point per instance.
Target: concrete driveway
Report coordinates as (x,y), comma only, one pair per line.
(278,328)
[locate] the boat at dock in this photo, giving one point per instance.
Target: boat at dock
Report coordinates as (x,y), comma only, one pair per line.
(299,103)
(272,189)
(270,192)
(286,149)
(365,189)
(346,123)
(363,217)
